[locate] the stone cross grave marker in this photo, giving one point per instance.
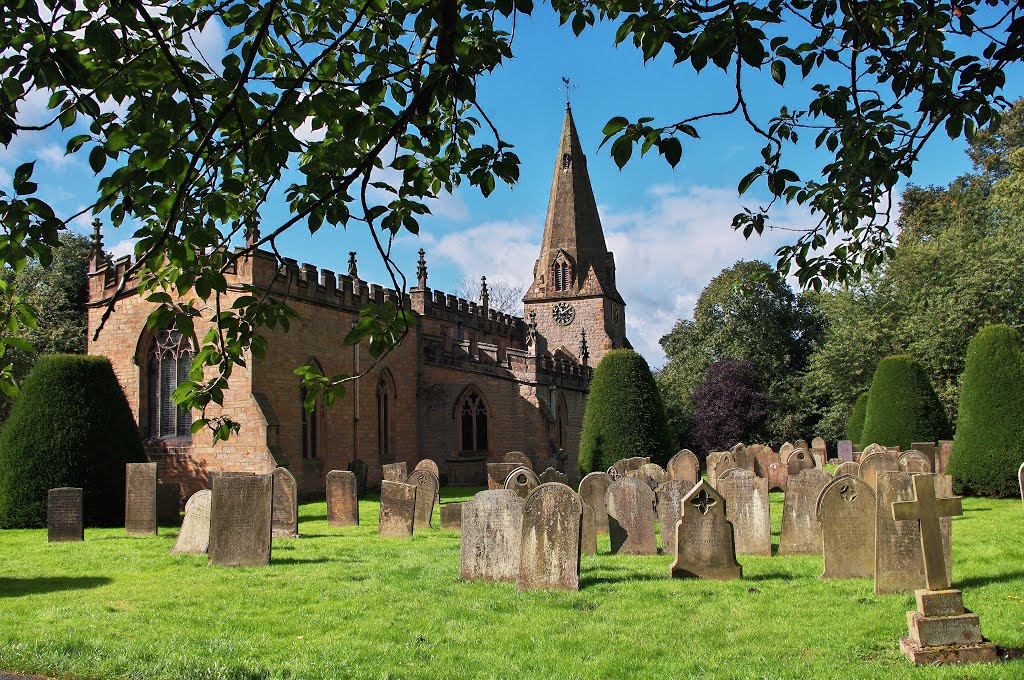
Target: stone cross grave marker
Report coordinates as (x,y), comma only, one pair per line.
(522,481)
(594,490)
(846,510)
(492,526)
(926,509)
(64,515)
(140,499)
(286,504)
(551,534)
(845,448)
(194,537)
(426,493)
(394,472)
(670,496)
(899,564)
(342,499)
(241,515)
(397,509)
(631,517)
(704,545)
(801,532)
(684,466)
(746,502)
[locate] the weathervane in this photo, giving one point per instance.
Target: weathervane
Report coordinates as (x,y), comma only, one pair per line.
(569,87)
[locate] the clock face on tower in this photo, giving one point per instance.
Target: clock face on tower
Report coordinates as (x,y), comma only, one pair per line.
(563,313)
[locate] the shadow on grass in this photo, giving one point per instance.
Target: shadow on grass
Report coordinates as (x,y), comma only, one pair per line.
(313,518)
(18,587)
(973,581)
(296,560)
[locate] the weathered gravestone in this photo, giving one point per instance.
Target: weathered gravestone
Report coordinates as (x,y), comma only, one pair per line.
(670,496)
(819,449)
(429,465)
(286,504)
(551,535)
(874,463)
(914,461)
(241,514)
(801,444)
(704,545)
(847,468)
(718,462)
(763,456)
(492,525)
(64,515)
(552,475)
(683,467)
(497,473)
(631,517)
(942,452)
(929,449)
(397,509)
(797,461)
(801,532)
(627,467)
(426,493)
(359,468)
(778,476)
(653,475)
(519,458)
(588,535)
(451,516)
(168,504)
(140,499)
(898,558)
(872,448)
(194,537)
(394,472)
(846,510)
(786,449)
(342,499)
(522,481)
(845,448)
(746,502)
(594,490)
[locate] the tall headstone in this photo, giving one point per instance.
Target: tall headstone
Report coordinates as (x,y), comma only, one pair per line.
(929,449)
(497,473)
(846,510)
(522,481)
(914,461)
(286,504)
(845,449)
(394,472)
(426,493)
(241,515)
(451,516)
(588,536)
(942,452)
(797,461)
(594,490)
(819,449)
(746,502)
(704,545)
(359,468)
(519,458)
(64,515)
(342,499)
(140,499)
(801,532)
(492,526)
(684,466)
(552,475)
(852,469)
(551,537)
(871,464)
(670,496)
(194,537)
(631,517)
(168,504)
(397,509)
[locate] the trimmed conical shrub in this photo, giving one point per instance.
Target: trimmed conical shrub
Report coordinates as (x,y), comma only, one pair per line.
(903,407)
(71,426)
(855,425)
(625,415)
(989,444)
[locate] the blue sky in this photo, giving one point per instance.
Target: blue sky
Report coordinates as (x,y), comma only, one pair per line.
(669,229)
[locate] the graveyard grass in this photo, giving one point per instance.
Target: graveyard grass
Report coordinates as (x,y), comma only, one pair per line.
(342,602)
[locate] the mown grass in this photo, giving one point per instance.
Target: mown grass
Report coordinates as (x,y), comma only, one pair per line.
(342,602)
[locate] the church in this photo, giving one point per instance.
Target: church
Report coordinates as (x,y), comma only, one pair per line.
(465,386)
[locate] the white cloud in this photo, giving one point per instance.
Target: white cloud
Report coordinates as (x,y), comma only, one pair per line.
(122,248)
(208,45)
(504,251)
(51,154)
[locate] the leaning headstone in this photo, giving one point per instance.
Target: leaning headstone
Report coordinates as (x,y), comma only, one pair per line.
(845,448)
(497,473)
(704,545)
(240,520)
(168,504)
(653,474)
(898,558)
(801,532)
(519,458)
(427,464)
(631,517)
(395,472)
(522,481)
(397,509)
(929,449)
(797,461)
(286,504)
(914,461)
(669,496)
(874,463)
(491,536)
(64,515)
(847,468)
(684,466)
(942,452)
(550,544)
(140,499)
(342,499)
(594,490)
(426,493)
(746,502)
(359,468)
(588,535)
(451,516)
(553,475)
(194,537)
(846,510)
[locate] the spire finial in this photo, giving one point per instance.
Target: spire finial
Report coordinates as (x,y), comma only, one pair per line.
(584,350)
(421,271)
(569,87)
(97,235)
(485,297)
(353,271)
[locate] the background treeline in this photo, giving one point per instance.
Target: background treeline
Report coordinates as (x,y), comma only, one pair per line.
(758,362)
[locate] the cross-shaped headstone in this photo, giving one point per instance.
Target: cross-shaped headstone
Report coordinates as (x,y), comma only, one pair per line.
(927,509)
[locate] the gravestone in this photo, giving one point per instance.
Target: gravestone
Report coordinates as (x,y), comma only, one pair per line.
(64,515)
(819,449)
(720,461)
(522,481)
(914,461)
(797,461)
(359,469)
(394,472)
(492,526)
(684,466)
(552,475)
(594,490)
(704,544)
(551,537)
(588,535)
(899,563)
(929,449)
(168,504)
(746,502)
(451,516)
(194,537)
(519,458)
(140,499)
(871,448)
(801,444)
(778,475)
(653,475)
(397,509)
(286,504)
(241,515)
(631,517)
(426,493)
(845,448)
(942,452)
(846,510)
(874,463)
(627,467)
(848,468)
(763,456)
(429,465)
(669,496)
(497,473)
(785,450)
(801,532)
(342,499)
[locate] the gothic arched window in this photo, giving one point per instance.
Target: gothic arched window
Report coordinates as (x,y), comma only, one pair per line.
(168,364)
(383,421)
(473,417)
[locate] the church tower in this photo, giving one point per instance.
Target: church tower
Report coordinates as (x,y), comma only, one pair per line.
(573,298)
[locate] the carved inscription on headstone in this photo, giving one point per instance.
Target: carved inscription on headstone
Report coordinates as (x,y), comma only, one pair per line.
(801,532)
(746,502)
(140,499)
(286,504)
(899,564)
(670,495)
(395,472)
(704,545)
(846,509)
(194,537)
(64,515)
(342,499)
(594,490)
(397,509)
(550,545)
(491,534)
(631,517)
(240,520)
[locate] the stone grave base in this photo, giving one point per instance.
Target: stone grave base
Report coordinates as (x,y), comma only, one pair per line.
(943,632)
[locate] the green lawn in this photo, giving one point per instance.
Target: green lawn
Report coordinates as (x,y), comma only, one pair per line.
(345,603)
